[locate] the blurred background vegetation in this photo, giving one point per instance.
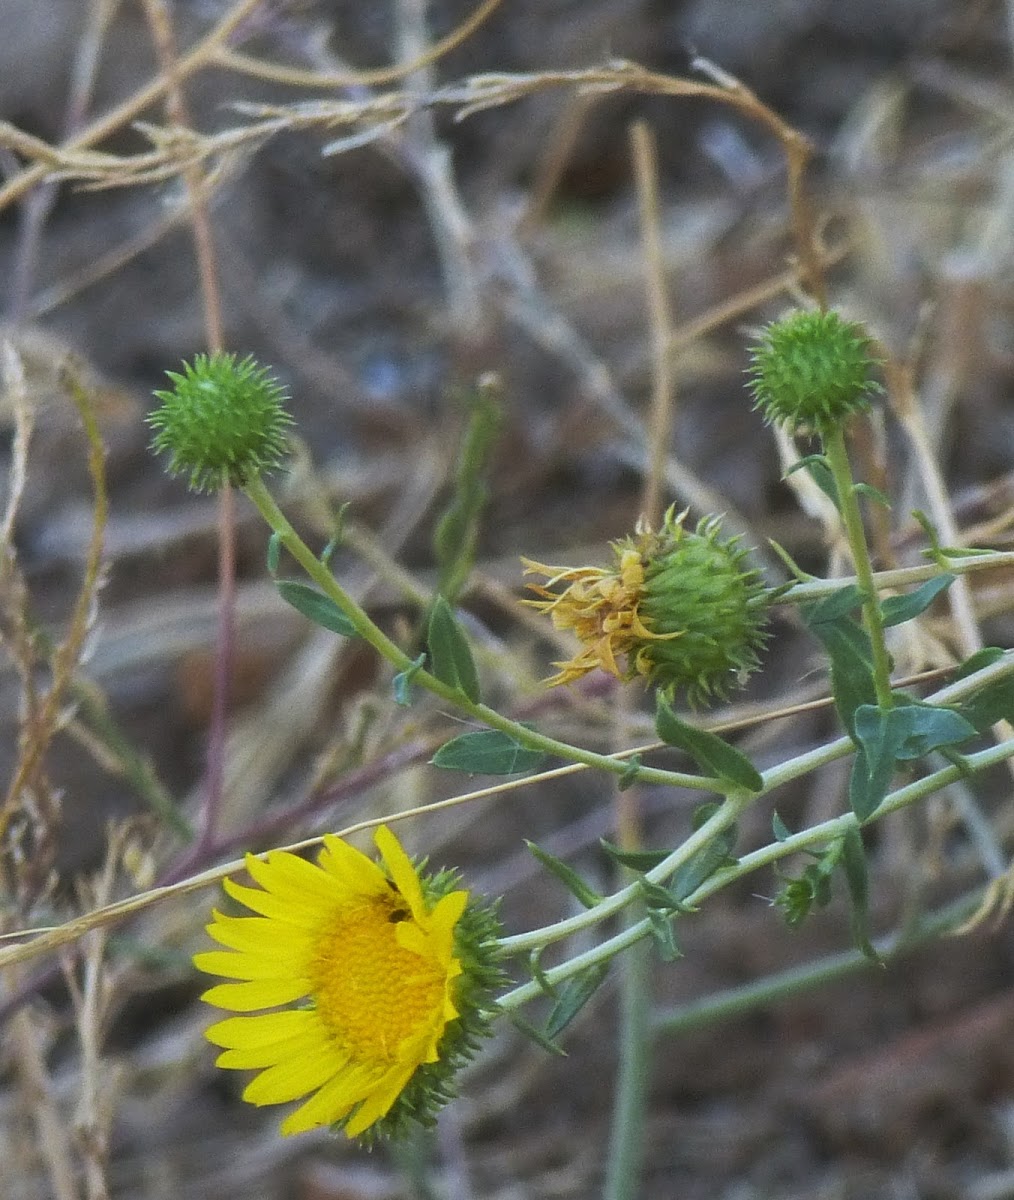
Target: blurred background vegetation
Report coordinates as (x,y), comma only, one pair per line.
(381,281)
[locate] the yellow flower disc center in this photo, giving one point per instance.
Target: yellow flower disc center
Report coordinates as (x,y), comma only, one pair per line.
(371,993)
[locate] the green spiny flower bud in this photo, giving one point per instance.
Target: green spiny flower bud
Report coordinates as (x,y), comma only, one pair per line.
(811,370)
(222,421)
(681,607)
(705,608)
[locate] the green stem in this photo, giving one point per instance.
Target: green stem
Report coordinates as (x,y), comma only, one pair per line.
(626,1143)
(735,1002)
(838,462)
(817,589)
(365,627)
(825,832)
(774,777)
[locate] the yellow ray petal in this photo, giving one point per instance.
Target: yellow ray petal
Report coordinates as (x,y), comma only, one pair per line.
(356,872)
(404,875)
(306,916)
(292,878)
(248,1032)
(248,997)
(291,1080)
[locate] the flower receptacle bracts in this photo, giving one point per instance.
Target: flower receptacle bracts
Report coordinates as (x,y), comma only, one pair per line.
(680,608)
(222,421)
(811,371)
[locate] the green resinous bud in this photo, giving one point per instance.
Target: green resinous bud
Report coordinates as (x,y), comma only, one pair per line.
(811,371)
(222,421)
(699,588)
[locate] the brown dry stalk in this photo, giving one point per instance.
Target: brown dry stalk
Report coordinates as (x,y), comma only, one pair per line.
(39,731)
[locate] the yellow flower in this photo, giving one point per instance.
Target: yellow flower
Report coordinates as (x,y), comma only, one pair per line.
(376,962)
(600,606)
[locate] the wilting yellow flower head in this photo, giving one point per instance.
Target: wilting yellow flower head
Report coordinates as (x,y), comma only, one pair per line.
(680,608)
(395,970)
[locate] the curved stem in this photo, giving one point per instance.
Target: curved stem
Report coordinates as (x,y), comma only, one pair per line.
(365,627)
(734,1002)
(825,832)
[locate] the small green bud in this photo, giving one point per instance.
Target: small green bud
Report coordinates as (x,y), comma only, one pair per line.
(811,370)
(222,421)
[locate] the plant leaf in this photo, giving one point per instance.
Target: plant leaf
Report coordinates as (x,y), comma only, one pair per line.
(535,1034)
(664,935)
(816,466)
(853,861)
(703,865)
(710,752)
(573,996)
(898,609)
(840,603)
(900,734)
(450,655)
(660,898)
(403,681)
(778,827)
(872,493)
(566,875)
(320,609)
(487,752)
(457,530)
(274,551)
(992,703)
(636,860)
(848,647)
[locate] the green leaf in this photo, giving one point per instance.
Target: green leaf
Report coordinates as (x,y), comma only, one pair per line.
(630,773)
(932,536)
(710,752)
(573,996)
(566,875)
(664,935)
(709,859)
(538,971)
(535,1034)
(880,736)
(848,647)
(900,734)
(992,703)
(853,861)
(898,609)
(872,493)
(979,661)
(320,609)
(274,551)
(794,569)
(778,827)
(636,860)
(660,898)
(840,603)
(450,655)
(487,752)
(457,530)
(926,727)
(817,468)
(403,681)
